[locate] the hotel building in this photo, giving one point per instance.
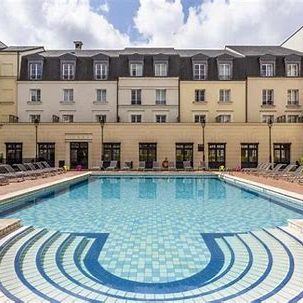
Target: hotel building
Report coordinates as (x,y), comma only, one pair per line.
(151,102)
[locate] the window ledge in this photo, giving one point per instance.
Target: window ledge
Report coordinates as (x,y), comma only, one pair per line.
(268,106)
(293,105)
(100,102)
(159,103)
(200,102)
(67,102)
(225,102)
(34,102)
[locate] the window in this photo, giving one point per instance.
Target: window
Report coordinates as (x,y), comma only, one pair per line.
(78,154)
(13,153)
(282,153)
(67,118)
(216,155)
(101,118)
(136,118)
(35,95)
(46,152)
(199,71)
(35,71)
(293,97)
(68,95)
(101,71)
(68,71)
(267,69)
(161,96)
(111,152)
(136,69)
(34,118)
(249,155)
(160,69)
(148,153)
(199,118)
(223,118)
(101,95)
(267,118)
(224,71)
(292,118)
(200,95)
(160,118)
(292,69)
(136,96)
(224,95)
(184,152)
(268,97)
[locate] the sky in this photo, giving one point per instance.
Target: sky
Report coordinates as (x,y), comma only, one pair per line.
(55,24)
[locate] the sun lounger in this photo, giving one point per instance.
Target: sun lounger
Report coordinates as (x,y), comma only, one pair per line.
(187,165)
(112,165)
(4,180)
(265,169)
(293,176)
(51,170)
(156,165)
(252,169)
(127,165)
(99,165)
(141,165)
(60,170)
(31,167)
(282,172)
(271,171)
(10,173)
(171,165)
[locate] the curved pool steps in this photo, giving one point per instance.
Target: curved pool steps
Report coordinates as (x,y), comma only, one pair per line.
(43,265)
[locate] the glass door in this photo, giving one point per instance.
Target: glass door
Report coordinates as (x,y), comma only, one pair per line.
(216,155)
(148,153)
(249,155)
(79,154)
(184,152)
(46,152)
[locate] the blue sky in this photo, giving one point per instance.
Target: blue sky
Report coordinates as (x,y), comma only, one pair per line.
(165,23)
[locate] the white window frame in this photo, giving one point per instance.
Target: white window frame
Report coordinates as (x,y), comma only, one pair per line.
(225,71)
(136,69)
(293,118)
(33,117)
(266,117)
(225,118)
(68,95)
(100,117)
(224,95)
(268,97)
(160,118)
(160,96)
(68,70)
(34,70)
(160,69)
(101,95)
(199,95)
(135,116)
(200,118)
(67,118)
(293,97)
(199,72)
(292,69)
(101,71)
(268,71)
(137,96)
(35,95)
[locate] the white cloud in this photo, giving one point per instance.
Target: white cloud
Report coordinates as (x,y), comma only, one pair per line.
(218,22)
(56,23)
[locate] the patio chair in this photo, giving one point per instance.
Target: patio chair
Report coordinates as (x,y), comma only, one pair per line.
(272,171)
(293,176)
(60,170)
(156,165)
(31,167)
(187,165)
(10,173)
(127,165)
(53,171)
(282,172)
(112,165)
(4,180)
(171,165)
(251,169)
(99,165)
(264,169)
(141,165)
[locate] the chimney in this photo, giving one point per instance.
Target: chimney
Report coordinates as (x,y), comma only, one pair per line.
(78,44)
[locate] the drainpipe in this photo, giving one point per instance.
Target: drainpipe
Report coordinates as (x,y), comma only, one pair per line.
(179,110)
(246,100)
(117,100)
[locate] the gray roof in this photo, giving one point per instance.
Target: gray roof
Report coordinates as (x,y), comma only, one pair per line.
(2,45)
(206,52)
(259,50)
(20,48)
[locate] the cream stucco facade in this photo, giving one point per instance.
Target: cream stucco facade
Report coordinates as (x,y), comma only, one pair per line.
(148,108)
(84,108)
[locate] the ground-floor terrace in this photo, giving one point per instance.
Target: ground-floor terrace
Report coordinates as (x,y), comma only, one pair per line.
(233,145)
(140,260)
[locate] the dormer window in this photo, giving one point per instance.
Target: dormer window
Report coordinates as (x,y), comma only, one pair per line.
(160,69)
(292,69)
(101,70)
(35,70)
(267,69)
(136,69)
(68,71)
(199,70)
(224,71)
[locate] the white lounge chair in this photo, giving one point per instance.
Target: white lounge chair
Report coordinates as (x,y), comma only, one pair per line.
(171,165)
(112,165)
(99,165)
(141,165)
(156,165)
(127,165)
(187,165)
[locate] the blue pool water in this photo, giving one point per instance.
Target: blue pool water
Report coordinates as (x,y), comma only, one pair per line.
(154,223)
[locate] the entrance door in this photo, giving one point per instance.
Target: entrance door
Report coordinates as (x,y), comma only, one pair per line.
(148,153)
(13,153)
(282,153)
(111,152)
(184,152)
(46,152)
(79,154)
(249,155)
(216,155)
